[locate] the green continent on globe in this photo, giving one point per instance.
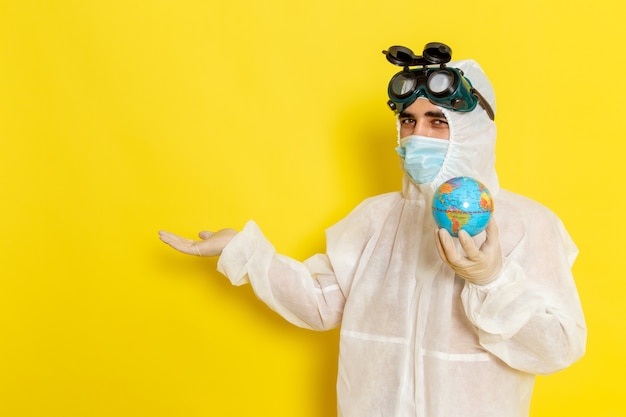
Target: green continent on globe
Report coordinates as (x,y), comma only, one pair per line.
(458,220)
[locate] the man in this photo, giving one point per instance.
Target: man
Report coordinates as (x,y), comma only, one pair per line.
(430,325)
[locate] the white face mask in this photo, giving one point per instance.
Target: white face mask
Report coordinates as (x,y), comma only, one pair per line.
(423,157)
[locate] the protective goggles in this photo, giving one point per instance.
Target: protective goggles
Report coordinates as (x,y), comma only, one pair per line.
(443,86)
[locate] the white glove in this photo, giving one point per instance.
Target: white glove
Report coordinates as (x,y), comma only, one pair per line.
(211,244)
(478,266)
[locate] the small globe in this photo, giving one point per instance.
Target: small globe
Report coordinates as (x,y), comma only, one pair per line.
(462,203)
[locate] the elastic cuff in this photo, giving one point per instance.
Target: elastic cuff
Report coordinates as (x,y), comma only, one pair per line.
(234,258)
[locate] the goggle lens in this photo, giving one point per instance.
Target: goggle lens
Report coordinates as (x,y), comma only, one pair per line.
(441,82)
(404,84)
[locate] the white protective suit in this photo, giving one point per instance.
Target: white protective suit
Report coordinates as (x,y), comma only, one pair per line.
(416,340)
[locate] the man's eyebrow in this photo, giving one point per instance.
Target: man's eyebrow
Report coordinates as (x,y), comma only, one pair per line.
(438,114)
(430,113)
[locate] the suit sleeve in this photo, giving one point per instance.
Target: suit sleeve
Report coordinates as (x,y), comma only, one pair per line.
(531,316)
(304,293)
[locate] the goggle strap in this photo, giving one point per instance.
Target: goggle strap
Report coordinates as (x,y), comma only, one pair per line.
(484,103)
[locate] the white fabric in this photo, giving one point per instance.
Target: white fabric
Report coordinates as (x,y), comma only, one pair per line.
(415,339)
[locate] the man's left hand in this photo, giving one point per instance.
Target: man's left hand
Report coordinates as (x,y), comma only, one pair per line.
(479,265)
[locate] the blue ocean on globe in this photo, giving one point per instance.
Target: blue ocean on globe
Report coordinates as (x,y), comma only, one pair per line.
(462,203)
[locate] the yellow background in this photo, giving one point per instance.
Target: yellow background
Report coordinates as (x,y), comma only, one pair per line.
(119,118)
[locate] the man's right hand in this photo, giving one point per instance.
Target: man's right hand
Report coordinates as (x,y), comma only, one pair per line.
(210,243)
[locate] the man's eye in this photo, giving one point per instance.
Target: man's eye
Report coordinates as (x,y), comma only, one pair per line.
(407,121)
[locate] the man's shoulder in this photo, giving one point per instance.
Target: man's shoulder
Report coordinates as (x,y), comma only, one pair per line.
(371,210)
(513,200)
(354,230)
(378,202)
(518,207)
